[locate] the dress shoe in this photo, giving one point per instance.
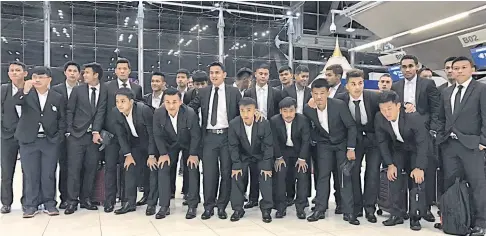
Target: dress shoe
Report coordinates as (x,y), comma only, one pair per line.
(88,205)
(266,217)
(290,202)
(142,201)
(429,216)
(251,204)
(70,209)
(109,208)
(359,214)
(6,209)
(338,210)
(393,220)
(191,213)
(415,225)
(184,203)
(280,214)
(63,205)
(222,214)
(172,196)
(163,212)
(207,214)
(126,207)
(237,215)
(51,211)
(316,215)
(301,214)
(150,211)
(30,212)
(371,218)
(351,219)
(478,231)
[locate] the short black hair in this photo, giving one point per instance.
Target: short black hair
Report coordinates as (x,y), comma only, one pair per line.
(125,92)
(462,58)
(41,70)
(320,83)
(157,73)
(200,76)
(300,69)
(96,67)
(285,68)
(246,101)
(262,66)
(18,63)
(287,103)
(244,73)
(354,73)
(183,71)
(409,57)
(336,69)
(72,63)
(385,75)
(217,63)
(449,59)
(122,60)
(171,92)
(424,69)
(388,96)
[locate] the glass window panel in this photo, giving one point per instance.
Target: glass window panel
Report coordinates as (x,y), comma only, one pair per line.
(33,10)
(151,39)
(84,13)
(33,53)
(11,28)
(12,50)
(83,35)
(310,22)
(60,33)
(61,12)
(34,30)
(84,54)
(60,54)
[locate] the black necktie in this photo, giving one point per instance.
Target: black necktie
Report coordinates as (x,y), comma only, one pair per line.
(93,98)
(124,85)
(357,112)
(457,101)
(214,109)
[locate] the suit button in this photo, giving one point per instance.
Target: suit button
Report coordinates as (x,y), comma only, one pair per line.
(42,115)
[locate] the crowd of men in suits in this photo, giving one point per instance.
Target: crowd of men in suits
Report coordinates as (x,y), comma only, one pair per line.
(248,134)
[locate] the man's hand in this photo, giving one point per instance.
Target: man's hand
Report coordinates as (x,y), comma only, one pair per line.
(193,162)
(418,175)
(235,173)
(312,104)
(278,164)
(152,162)
(129,161)
(28,86)
(351,155)
(482,147)
(266,173)
(259,116)
(97,138)
(409,108)
(162,160)
(301,165)
(392,172)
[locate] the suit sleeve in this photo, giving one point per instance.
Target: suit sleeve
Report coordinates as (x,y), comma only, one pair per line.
(350,125)
(238,98)
(195,131)
(62,117)
(234,143)
(99,119)
(482,104)
(158,130)
(121,135)
(277,152)
(195,103)
(139,94)
(383,141)
(306,140)
(433,95)
(19,97)
(267,148)
(148,117)
(284,93)
(70,110)
(421,136)
(442,117)
(247,93)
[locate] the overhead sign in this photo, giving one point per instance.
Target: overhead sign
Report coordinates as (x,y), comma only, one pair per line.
(473,39)
(479,56)
(395,73)
(391,58)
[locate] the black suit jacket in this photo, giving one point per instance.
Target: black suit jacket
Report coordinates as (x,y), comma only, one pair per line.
(469,123)
(427,100)
(261,148)
(300,136)
(341,89)
(112,87)
(79,113)
(291,91)
(371,105)
(147,98)
(142,116)
(191,94)
(414,134)
(443,86)
(188,134)
(61,89)
(273,98)
(342,127)
(52,118)
(10,118)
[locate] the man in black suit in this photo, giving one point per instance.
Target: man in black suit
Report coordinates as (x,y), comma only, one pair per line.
(402,140)
(363,105)
(176,129)
(422,96)
(450,76)
(72,72)
(334,131)
(291,141)
(10,119)
(250,142)
(40,130)
(158,85)
(182,79)
(86,111)
(334,74)
(425,73)
(219,105)
(243,79)
(112,155)
(462,136)
(134,131)
(385,82)
(286,77)
(300,92)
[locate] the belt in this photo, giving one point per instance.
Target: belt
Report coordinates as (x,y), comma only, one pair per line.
(217,131)
(41,135)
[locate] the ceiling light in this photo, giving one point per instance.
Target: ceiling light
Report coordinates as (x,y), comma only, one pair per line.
(170,52)
(188,42)
(256,34)
(268,31)
(440,22)
(263,34)
(289,13)
(216,4)
(298,14)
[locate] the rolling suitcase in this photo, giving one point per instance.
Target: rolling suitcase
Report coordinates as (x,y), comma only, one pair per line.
(384,196)
(99,191)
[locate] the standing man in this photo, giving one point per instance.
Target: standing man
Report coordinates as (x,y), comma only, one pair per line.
(286,77)
(363,105)
(40,130)
(112,155)
(425,73)
(158,85)
(243,80)
(300,92)
(462,136)
(10,118)
(219,105)
(190,84)
(450,75)
(385,82)
(176,129)
(86,111)
(182,79)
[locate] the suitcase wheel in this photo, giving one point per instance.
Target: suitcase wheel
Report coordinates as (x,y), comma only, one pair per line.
(379,212)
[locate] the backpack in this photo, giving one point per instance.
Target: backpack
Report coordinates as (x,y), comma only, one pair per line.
(455,209)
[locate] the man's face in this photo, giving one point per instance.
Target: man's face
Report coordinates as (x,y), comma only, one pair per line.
(261,76)
(157,83)
(216,75)
(285,77)
(288,113)
(390,110)
(41,81)
(320,96)
(72,73)
(448,70)
(332,78)
(385,83)
(462,71)
(408,68)
(182,80)
(89,76)
(247,113)
(190,84)
(355,86)
(426,74)
(172,103)
(302,79)
(123,104)
(16,73)
(122,71)
(199,85)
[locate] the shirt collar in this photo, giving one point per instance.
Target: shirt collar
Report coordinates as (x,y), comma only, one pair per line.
(335,87)
(96,86)
(413,80)
(466,83)
(297,88)
(175,117)
(221,87)
(248,126)
(120,83)
(264,87)
(45,94)
(359,99)
(71,87)
(158,97)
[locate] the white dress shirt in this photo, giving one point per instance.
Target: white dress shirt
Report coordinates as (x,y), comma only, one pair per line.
(300,99)
(130,124)
(69,89)
(156,100)
(362,108)
(323,118)
(18,108)
(463,91)
(248,131)
(173,120)
(120,84)
(262,98)
(222,122)
(288,128)
(183,93)
(42,102)
(396,129)
(409,90)
(333,90)
(97,92)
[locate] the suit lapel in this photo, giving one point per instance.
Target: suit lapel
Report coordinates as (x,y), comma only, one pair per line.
(254,135)
(181,119)
(35,100)
(269,101)
(307,95)
(401,89)
(246,142)
(469,90)
(401,125)
(293,92)
(389,128)
(282,129)
(48,102)
(418,90)
(367,103)
(228,100)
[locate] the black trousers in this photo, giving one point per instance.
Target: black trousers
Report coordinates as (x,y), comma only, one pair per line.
(329,156)
(237,190)
(63,171)
(185,174)
(10,149)
(39,164)
(367,199)
(112,158)
(173,173)
(461,162)
(216,164)
(281,186)
(334,171)
(145,181)
(132,177)
(82,163)
(430,173)
(254,175)
(291,177)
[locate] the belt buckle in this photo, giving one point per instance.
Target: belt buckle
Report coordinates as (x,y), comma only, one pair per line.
(219,131)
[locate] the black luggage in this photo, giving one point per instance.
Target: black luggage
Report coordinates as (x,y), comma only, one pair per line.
(418,201)
(384,198)
(456,217)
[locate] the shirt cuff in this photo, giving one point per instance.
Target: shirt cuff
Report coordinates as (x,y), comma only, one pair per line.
(279,158)
(95,132)
(128,154)
(352,149)
(300,159)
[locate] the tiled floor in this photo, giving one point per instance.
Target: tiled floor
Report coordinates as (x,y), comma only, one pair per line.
(89,223)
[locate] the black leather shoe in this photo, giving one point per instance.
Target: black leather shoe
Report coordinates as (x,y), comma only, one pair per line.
(163,212)
(142,201)
(150,211)
(70,209)
(280,214)
(6,209)
(237,215)
(126,207)
(393,220)
(316,215)
(109,208)
(172,196)
(290,202)
(478,231)
(191,213)
(359,214)
(266,217)
(351,219)
(429,216)
(371,218)
(63,205)
(207,214)
(301,214)
(184,203)
(251,204)
(415,225)
(88,205)
(338,210)
(222,214)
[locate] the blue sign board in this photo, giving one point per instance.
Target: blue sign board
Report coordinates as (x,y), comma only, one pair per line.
(395,73)
(479,56)
(368,84)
